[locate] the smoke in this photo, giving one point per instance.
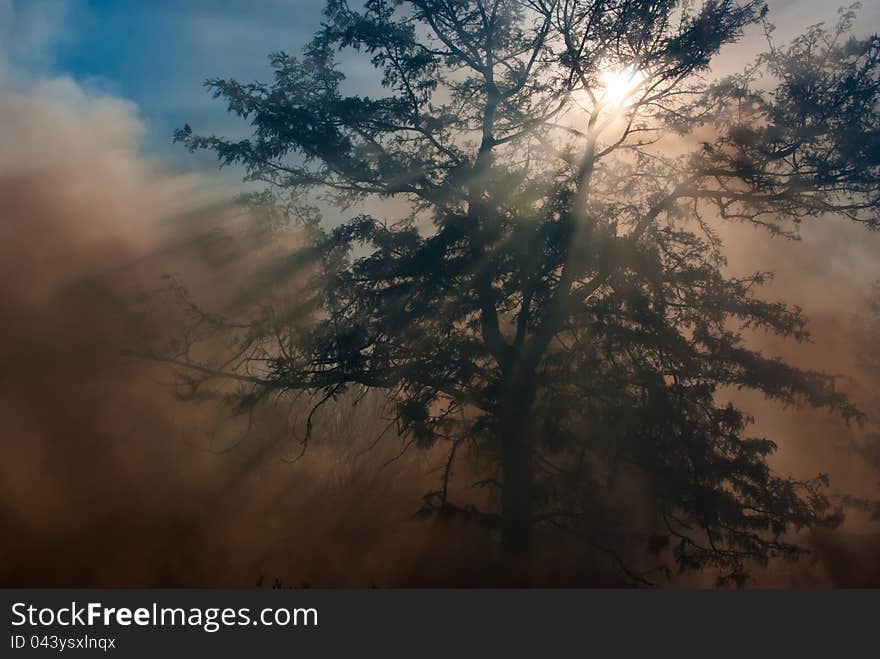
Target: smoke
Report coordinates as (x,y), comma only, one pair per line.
(106,478)
(830,273)
(85,480)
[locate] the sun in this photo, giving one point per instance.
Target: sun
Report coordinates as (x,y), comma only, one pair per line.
(618,85)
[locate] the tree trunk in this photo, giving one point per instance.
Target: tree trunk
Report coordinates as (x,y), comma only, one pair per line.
(516,492)
(516,503)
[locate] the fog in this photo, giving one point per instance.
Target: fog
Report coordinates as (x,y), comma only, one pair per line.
(109,479)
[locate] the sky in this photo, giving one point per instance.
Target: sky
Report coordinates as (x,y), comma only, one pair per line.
(157,54)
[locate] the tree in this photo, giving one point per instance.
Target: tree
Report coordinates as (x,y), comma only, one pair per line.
(554,296)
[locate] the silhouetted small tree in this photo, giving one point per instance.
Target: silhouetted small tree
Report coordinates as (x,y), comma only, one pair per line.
(539,280)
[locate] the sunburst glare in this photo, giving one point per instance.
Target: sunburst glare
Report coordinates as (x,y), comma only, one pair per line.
(618,86)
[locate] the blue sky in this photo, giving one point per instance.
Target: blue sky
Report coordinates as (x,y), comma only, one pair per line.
(157,53)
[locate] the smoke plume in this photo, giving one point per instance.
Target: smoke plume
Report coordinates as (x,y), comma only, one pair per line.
(108,479)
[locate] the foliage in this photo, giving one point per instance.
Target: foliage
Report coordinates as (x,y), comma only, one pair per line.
(553,296)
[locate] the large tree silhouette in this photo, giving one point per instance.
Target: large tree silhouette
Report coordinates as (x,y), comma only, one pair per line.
(542,284)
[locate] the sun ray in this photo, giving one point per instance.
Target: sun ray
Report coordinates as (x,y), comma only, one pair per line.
(618,86)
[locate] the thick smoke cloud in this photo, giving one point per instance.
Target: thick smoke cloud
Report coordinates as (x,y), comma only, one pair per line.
(831,274)
(90,485)
(107,479)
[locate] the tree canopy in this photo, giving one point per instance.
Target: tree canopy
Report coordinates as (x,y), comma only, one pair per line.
(524,254)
